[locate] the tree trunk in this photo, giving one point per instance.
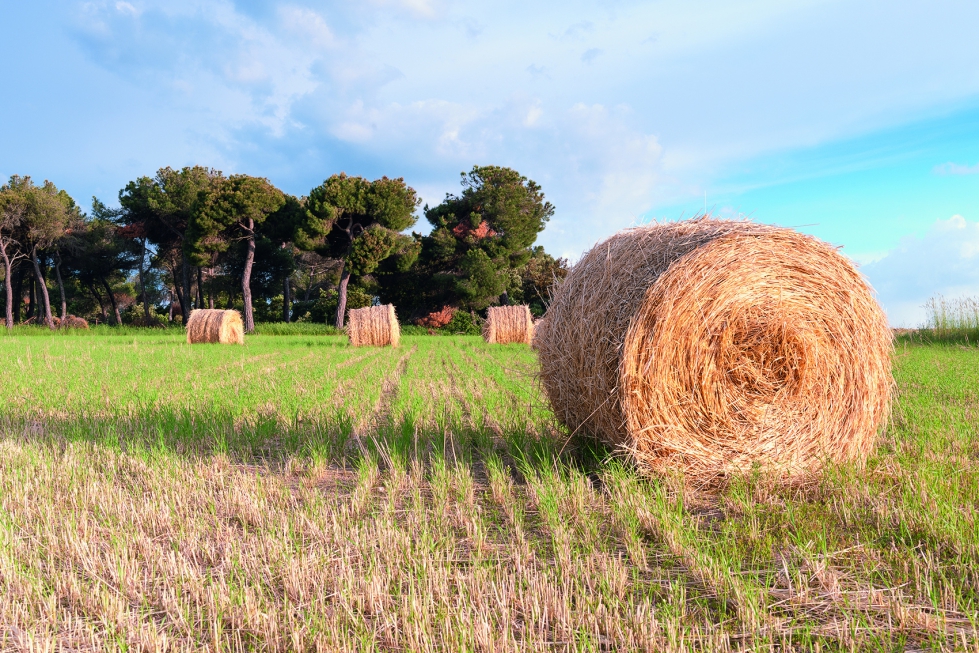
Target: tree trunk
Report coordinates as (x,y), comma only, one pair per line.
(98,298)
(31,303)
(210,298)
(231,300)
(505,299)
(142,284)
(61,285)
(286,300)
(8,286)
(200,289)
(176,294)
(172,295)
(185,295)
(342,296)
(112,300)
(345,275)
(43,289)
(18,293)
(246,278)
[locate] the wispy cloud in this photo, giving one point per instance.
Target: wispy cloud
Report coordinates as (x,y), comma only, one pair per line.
(537,71)
(419,8)
(945,260)
(126,8)
(576,31)
(956,169)
(574,95)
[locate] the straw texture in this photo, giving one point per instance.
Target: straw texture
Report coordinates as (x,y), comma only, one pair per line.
(73,322)
(216,326)
(712,346)
(374,325)
(506,324)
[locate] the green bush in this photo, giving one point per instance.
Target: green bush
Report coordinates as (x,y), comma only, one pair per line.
(462,323)
(415,330)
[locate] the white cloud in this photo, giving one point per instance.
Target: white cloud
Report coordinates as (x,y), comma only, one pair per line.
(957,169)
(945,261)
(309,24)
(619,167)
(245,71)
(420,8)
(427,88)
(533,114)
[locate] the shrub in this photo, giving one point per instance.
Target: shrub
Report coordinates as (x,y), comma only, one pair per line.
(415,330)
(463,323)
(437,319)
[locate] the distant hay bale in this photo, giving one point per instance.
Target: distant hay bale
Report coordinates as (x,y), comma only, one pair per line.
(506,324)
(538,327)
(73,322)
(215,326)
(374,325)
(711,346)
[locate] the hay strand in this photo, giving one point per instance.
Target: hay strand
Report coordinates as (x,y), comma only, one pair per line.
(712,346)
(506,324)
(215,326)
(374,325)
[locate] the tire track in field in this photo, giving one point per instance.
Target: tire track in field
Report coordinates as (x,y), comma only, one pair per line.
(487,384)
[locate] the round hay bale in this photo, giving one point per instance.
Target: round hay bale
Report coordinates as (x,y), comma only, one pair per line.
(374,325)
(73,322)
(216,326)
(711,346)
(506,324)
(538,325)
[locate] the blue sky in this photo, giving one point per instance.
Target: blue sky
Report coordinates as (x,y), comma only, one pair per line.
(857,122)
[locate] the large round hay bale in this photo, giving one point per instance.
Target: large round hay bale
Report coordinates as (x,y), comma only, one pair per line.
(710,347)
(506,324)
(374,325)
(214,325)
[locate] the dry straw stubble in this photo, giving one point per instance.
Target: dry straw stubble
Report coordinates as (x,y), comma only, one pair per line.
(712,346)
(215,326)
(374,325)
(506,324)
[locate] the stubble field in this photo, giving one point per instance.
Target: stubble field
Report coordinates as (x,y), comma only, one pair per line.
(298,494)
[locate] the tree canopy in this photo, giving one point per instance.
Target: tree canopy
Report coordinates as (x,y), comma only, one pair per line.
(192,237)
(234,210)
(479,240)
(361,221)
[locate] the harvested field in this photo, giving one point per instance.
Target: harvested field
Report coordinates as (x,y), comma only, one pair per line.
(296,493)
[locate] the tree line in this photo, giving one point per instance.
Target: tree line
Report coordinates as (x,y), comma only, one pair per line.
(196,238)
